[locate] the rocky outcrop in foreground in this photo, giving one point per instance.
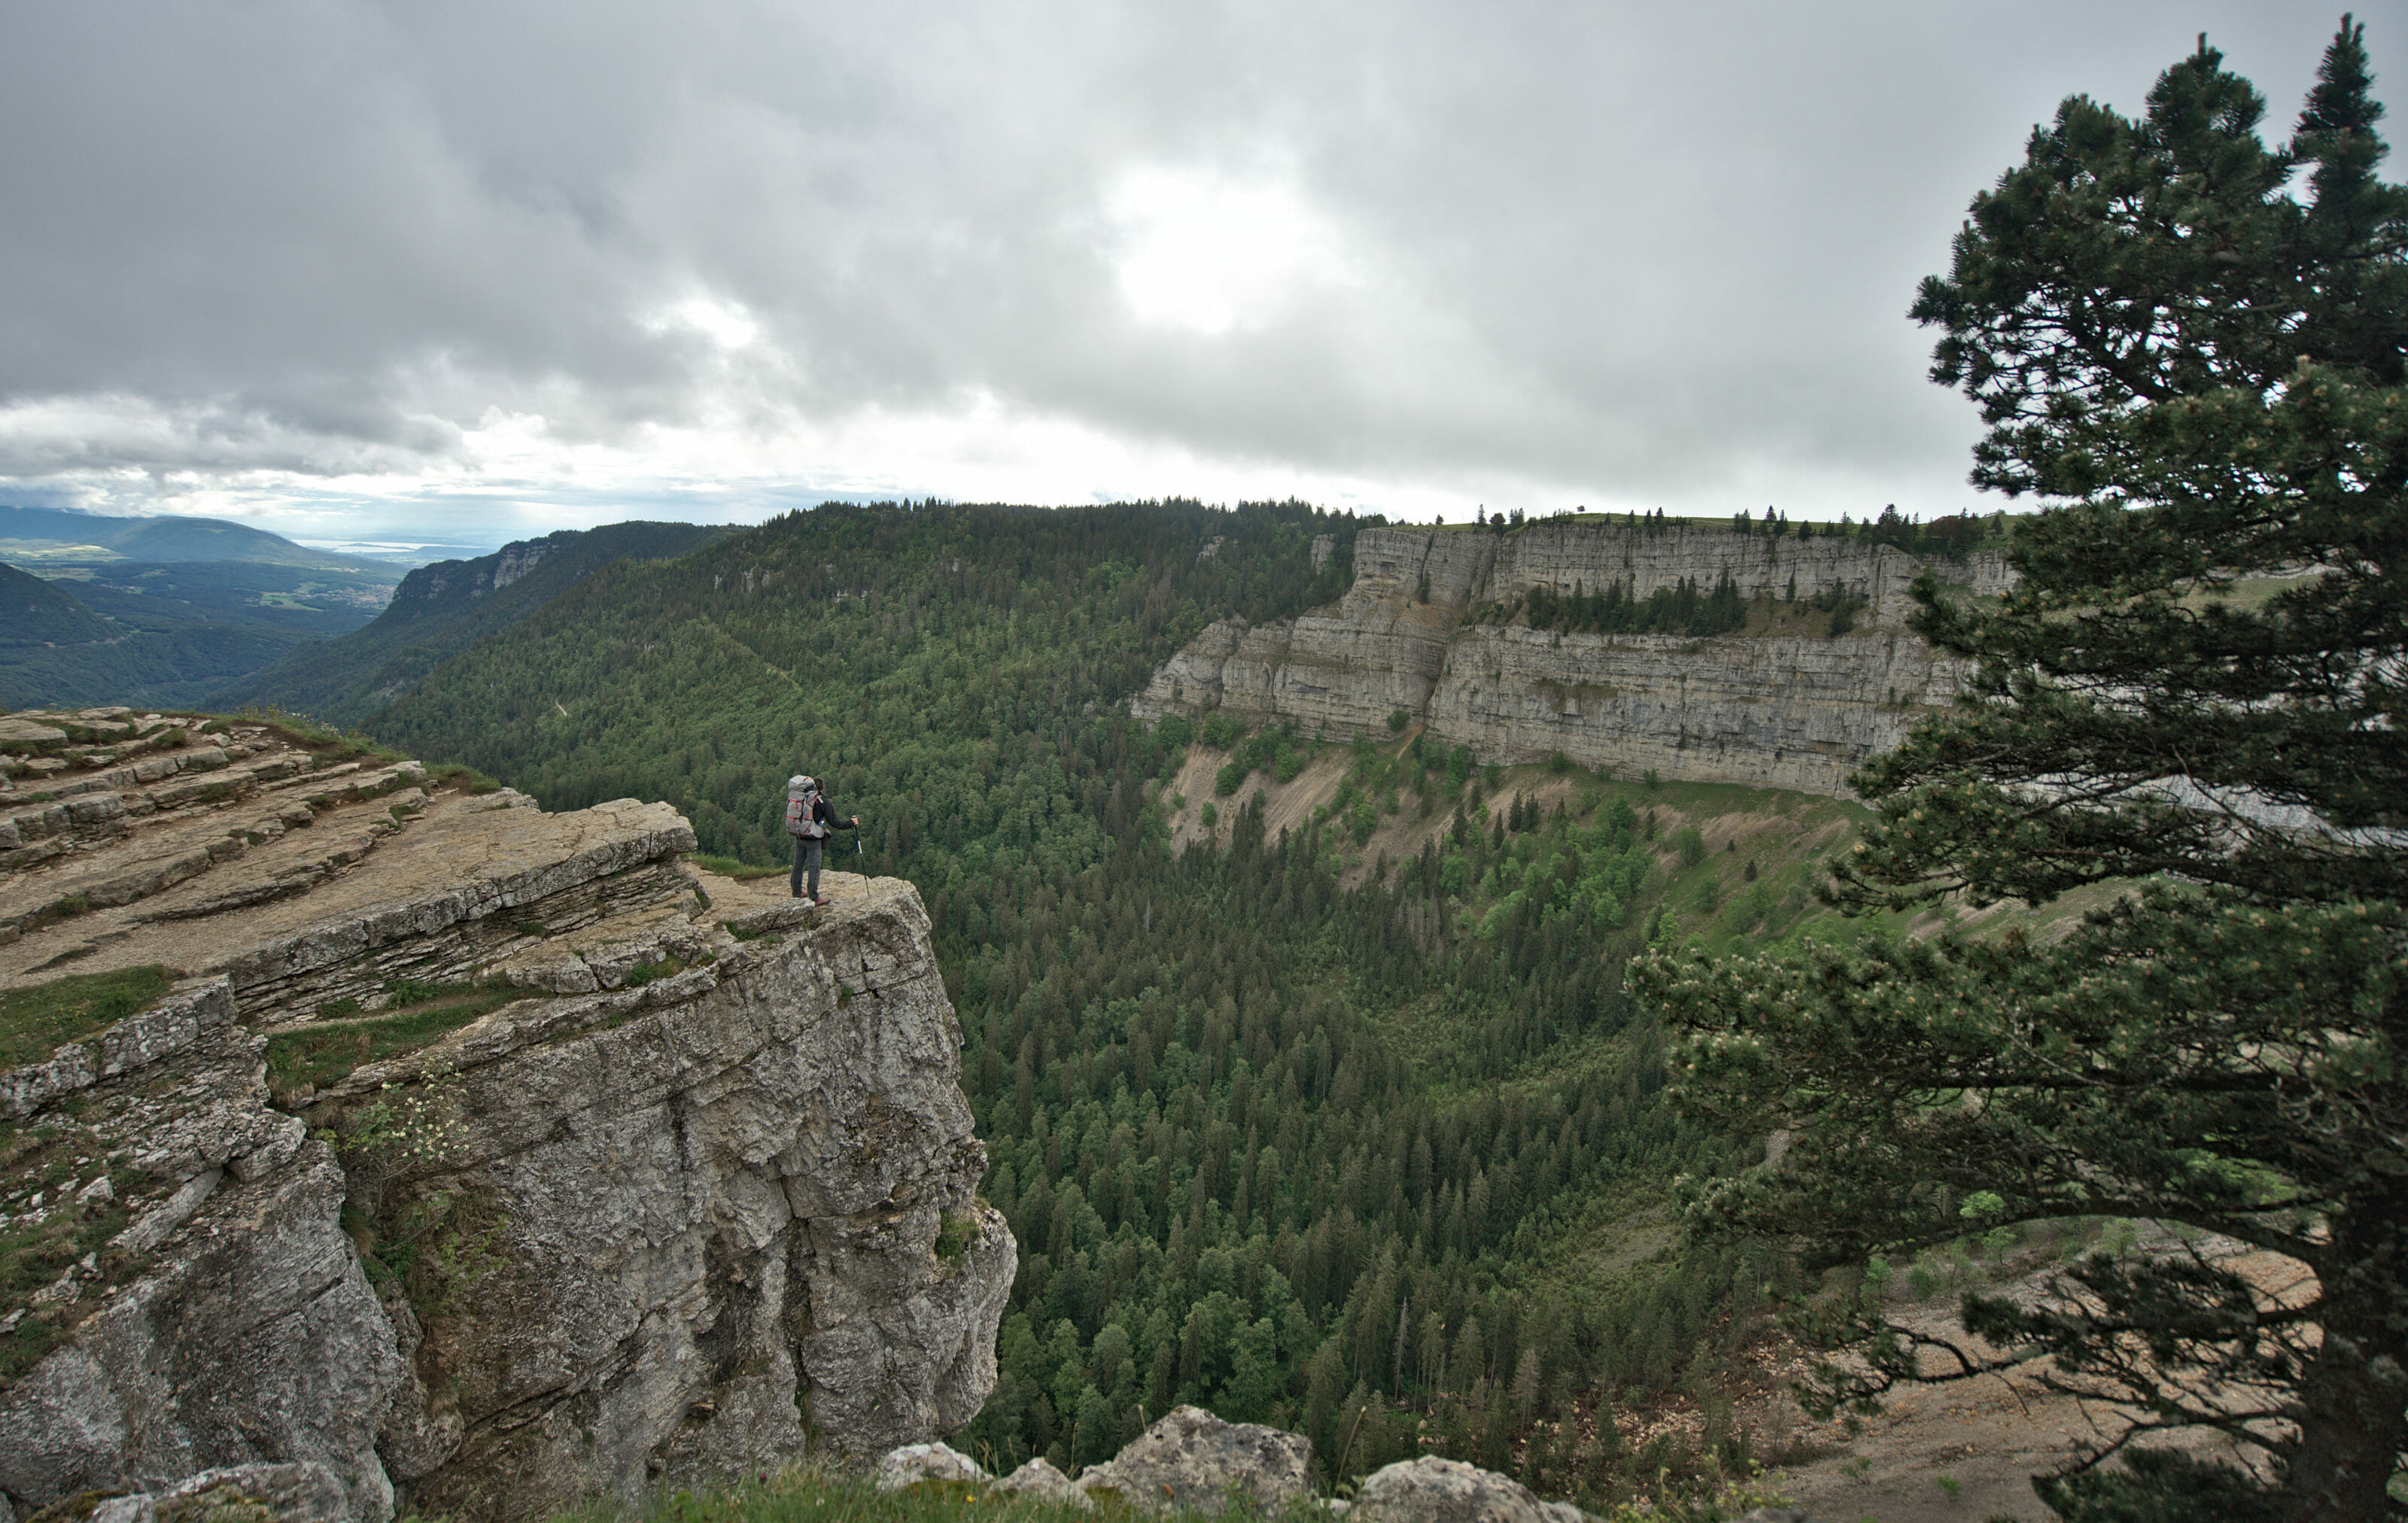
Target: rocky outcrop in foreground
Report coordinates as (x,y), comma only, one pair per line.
(1797,711)
(1192,1461)
(493,1156)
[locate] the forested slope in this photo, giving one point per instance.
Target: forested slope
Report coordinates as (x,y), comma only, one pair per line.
(54,649)
(35,612)
(169,665)
(1302,1153)
(441,609)
(930,663)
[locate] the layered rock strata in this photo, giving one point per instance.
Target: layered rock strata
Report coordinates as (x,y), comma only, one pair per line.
(699,1193)
(749,1185)
(1800,710)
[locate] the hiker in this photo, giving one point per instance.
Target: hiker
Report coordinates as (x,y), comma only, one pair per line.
(808,820)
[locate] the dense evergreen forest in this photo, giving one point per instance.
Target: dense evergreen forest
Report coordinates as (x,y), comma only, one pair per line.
(1290,1151)
(155,659)
(1682,609)
(1302,1153)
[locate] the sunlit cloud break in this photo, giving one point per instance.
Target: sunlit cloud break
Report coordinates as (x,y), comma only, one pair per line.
(1208,254)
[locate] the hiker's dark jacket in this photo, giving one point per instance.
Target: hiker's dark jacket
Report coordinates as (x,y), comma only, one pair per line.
(822,813)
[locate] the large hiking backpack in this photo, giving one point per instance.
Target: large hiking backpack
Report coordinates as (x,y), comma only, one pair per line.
(802,796)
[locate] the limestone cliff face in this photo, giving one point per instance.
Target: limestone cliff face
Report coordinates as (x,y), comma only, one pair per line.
(726,1193)
(234,1322)
(705,1195)
(1789,714)
(1799,711)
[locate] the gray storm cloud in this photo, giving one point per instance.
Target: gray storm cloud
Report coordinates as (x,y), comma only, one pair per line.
(1640,252)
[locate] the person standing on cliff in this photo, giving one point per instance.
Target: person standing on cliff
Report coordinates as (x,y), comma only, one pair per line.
(809,820)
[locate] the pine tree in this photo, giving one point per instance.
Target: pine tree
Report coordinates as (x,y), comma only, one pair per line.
(2200,362)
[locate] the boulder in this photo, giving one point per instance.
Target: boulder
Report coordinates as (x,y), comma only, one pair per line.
(1040,1479)
(916,1462)
(1193,1461)
(1434,1491)
(18,734)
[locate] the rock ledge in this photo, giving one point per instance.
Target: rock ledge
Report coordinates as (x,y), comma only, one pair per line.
(673,1214)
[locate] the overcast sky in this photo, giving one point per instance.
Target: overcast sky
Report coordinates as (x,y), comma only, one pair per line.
(468,272)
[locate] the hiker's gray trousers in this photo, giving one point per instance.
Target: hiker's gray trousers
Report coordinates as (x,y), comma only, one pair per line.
(807,859)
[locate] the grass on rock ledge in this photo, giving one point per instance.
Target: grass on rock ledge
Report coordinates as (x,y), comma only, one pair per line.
(326,1050)
(729,867)
(36,1021)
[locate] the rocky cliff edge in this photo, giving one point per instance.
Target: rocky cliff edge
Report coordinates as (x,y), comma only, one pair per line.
(495,1155)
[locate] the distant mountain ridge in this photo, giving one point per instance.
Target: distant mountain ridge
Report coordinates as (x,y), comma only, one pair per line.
(58,535)
(441,609)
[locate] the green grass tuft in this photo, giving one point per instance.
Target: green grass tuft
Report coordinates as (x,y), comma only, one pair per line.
(953,1233)
(35,1021)
(463,777)
(644,973)
(728,866)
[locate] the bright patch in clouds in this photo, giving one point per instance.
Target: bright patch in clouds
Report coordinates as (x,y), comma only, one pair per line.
(1200,251)
(725,324)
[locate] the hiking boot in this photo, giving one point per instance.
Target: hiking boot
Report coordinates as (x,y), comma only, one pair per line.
(823,901)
